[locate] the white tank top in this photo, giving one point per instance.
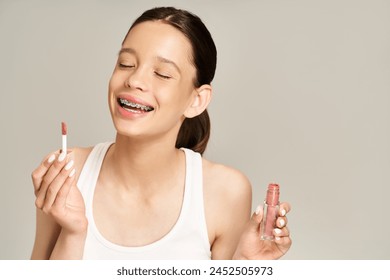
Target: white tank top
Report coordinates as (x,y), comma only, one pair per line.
(188,239)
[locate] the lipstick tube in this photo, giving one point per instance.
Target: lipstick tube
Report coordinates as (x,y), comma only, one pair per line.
(271,208)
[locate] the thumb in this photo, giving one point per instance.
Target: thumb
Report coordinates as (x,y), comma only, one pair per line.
(255,221)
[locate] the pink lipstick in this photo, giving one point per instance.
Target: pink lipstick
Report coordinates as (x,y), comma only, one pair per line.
(271,208)
(64,131)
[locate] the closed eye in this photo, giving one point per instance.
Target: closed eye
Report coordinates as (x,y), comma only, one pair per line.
(121,65)
(162,76)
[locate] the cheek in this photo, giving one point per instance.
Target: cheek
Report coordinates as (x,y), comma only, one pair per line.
(110,93)
(114,81)
(112,87)
(179,95)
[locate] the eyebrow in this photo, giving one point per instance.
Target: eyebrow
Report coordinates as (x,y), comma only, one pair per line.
(126,50)
(159,58)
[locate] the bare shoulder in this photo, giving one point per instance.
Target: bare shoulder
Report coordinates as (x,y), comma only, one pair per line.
(228,203)
(227,193)
(225,181)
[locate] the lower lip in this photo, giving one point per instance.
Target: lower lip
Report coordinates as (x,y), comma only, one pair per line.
(129,114)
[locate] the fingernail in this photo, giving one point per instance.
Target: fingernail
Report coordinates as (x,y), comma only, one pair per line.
(282,222)
(62,157)
(277,237)
(258,209)
(277,230)
(72,173)
(69,165)
(51,158)
(283,212)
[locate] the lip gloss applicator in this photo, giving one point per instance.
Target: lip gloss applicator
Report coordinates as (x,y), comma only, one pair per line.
(271,208)
(64,130)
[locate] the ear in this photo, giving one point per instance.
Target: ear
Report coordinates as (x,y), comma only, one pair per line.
(200,101)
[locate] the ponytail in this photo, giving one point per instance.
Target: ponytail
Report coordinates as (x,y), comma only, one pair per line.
(194,133)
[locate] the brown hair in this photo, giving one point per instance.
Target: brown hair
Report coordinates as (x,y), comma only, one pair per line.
(194,132)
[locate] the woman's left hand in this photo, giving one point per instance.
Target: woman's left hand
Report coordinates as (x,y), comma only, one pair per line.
(251,247)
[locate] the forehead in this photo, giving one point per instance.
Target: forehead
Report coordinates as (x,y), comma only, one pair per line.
(159,39)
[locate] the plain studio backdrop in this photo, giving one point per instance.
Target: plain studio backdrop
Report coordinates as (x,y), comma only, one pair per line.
(301,98)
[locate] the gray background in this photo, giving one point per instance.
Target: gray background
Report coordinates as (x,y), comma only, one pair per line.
(301,97)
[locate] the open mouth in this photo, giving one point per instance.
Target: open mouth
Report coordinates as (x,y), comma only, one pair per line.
(134,107)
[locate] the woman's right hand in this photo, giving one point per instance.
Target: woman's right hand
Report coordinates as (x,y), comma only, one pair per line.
(57,194)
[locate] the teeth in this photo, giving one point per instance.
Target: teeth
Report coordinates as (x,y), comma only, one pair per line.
(135,105)
(132,111)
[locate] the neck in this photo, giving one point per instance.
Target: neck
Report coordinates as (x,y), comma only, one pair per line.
(144,165)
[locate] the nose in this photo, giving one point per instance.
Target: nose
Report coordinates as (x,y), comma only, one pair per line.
(136,80)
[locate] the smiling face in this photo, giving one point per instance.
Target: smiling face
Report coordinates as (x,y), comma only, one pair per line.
(152,85)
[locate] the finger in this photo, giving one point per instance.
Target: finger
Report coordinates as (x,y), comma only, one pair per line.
(281,232)
(281,222)
(50,175)
(255,221)
(57,184)
(41,170)
(284,243)
(63,193)
(284,208)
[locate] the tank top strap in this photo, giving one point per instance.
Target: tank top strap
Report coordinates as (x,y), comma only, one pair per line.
(91,169)
(193,205)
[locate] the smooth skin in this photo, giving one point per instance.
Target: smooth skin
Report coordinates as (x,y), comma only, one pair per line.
(154,67)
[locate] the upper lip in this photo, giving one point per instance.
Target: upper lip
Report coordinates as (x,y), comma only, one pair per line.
(135,100)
